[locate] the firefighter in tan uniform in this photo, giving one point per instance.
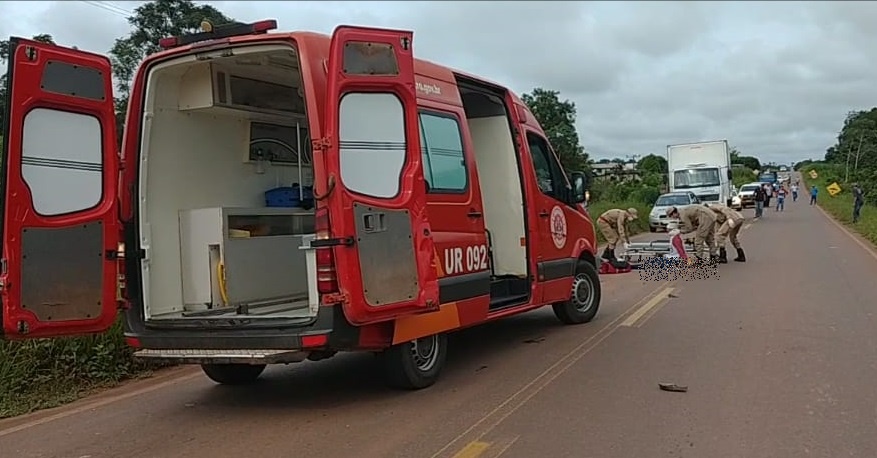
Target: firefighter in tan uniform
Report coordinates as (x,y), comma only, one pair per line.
(612,224)
(729,222)
(701,221)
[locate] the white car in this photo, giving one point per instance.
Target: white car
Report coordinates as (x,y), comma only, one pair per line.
(736,201)
(658,216)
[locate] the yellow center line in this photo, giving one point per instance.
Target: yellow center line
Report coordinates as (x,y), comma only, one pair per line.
(512,403)
(473,450)
(657,299)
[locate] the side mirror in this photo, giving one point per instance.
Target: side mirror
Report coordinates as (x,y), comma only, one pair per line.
(730,175)
(579,181)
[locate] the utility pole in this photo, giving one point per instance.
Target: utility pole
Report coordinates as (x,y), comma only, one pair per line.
(849,152)
(858,151)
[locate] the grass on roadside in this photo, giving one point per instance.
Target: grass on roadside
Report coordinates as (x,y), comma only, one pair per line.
(840,207)
(44,373)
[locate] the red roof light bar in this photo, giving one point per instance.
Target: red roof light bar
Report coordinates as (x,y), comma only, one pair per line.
(233,29)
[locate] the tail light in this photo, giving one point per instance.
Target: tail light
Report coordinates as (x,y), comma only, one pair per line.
(327,280)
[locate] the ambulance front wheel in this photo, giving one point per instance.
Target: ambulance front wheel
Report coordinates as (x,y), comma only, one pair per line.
(233,374)
(416,364)
(584,298)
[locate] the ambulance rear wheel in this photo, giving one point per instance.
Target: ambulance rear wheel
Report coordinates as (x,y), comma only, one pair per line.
(233,374)
(584,299)
(414,365)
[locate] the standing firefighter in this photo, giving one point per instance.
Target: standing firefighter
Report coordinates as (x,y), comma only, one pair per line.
(701,221)
(729,222)
(612,224)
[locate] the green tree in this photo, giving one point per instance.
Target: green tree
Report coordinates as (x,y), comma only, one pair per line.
(749,162)
(652,164)
(4,55)
(558,120)
(855,153)
(151,22)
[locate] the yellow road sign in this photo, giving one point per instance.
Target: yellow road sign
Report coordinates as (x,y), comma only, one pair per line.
(833,189)
(813,174)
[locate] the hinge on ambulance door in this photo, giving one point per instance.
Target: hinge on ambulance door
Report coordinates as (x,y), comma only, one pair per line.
(320,144)
(339,241)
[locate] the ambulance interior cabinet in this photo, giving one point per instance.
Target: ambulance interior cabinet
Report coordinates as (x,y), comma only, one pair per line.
(259,249)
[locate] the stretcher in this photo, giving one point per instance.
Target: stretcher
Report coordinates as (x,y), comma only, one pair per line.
(638,252)
(656,253)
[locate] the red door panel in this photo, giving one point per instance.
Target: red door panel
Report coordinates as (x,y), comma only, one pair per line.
(60,166)
(373,154)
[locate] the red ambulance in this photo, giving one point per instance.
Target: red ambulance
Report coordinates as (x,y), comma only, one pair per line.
(282,197)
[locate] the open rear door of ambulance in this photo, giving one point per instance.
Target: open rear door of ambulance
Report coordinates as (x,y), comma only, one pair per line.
(386,265)
(60,170)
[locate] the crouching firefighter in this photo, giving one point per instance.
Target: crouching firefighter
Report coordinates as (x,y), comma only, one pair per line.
(613,225)
(729,222)
(701,221)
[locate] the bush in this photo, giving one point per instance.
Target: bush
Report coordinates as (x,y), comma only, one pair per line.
(43,373)
(840,206)
(641,195)
(741,176)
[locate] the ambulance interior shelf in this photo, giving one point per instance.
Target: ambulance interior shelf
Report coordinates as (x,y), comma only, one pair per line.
(255,258)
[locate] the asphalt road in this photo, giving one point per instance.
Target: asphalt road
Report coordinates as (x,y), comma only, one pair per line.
(779,355)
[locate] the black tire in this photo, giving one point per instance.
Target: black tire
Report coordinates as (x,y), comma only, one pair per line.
(653,229)
(414,365)
(233,374)
(585,300)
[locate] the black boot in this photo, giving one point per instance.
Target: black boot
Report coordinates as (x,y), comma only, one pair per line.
(609,254)
(740,256)
(723,255)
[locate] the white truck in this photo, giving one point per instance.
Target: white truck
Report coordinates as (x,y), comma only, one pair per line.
(703,168)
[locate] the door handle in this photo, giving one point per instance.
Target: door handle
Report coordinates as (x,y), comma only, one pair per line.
(473,213)
(544,213)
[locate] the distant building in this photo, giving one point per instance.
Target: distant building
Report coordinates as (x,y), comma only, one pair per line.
(615,171)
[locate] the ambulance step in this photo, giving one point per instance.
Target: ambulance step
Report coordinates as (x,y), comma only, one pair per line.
(506,292)
(202,356)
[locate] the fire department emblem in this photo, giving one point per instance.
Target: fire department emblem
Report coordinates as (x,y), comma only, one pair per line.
(558,227)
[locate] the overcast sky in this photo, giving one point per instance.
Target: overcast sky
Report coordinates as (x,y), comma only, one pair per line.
(774,79)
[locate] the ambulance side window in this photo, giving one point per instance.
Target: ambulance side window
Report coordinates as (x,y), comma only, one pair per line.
(441,143)
(549,175)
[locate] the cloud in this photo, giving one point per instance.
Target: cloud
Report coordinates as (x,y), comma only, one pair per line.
(775,79)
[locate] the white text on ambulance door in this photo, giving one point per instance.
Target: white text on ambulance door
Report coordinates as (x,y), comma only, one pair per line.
(459,260)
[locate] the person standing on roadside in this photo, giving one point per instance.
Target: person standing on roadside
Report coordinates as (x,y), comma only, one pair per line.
(813,193)
(858,201)
(759,201)
(768,193)
(781,199)
(795,192)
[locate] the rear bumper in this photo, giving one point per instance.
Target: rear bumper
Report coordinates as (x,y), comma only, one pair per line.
(202,340)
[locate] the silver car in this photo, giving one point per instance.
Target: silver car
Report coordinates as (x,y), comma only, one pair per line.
(658,216)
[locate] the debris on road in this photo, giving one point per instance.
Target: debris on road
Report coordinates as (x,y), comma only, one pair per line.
(673,387)
(535,340)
